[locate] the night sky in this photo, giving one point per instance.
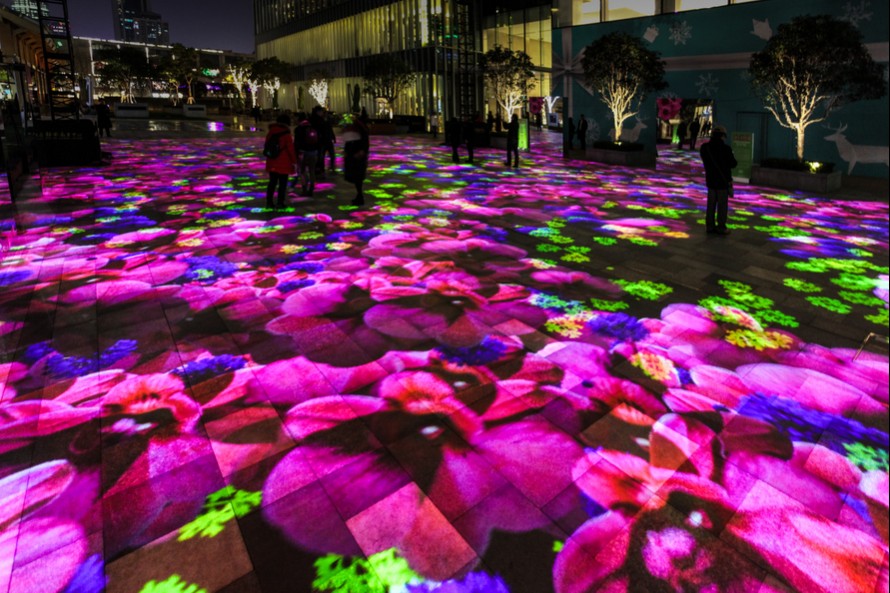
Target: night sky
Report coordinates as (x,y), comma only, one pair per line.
(205,24)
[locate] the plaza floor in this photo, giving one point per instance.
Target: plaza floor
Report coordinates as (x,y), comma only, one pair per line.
(531,380)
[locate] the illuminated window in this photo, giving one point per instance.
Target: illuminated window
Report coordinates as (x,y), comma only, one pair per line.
(696,4)
(628,9)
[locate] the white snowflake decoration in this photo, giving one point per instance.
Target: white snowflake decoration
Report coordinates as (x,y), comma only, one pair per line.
(651,33)
(854,12)
(680,33)
(707,84)
(593,131)
(761,29)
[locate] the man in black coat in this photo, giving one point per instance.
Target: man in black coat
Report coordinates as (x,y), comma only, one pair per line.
(719,161)
(582,132)
(513,141)
(469,131)
(453,133)
(694,129)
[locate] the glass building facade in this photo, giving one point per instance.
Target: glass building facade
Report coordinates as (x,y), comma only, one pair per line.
(441,40)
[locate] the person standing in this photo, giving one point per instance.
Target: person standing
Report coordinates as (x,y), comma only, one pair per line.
(452,135)
(570,125)
(103,118)
(681,133)
(329,148)
(256,112)
(694,129)
(719,161)
(325,132)
(434,125)
(282,164)
(513,140)
(582,132)
(469,130)
(307,141)
(356,144)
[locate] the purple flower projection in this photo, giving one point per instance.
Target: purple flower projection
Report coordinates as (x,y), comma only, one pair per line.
(480,357)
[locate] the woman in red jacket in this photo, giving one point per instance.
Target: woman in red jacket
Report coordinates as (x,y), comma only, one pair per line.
(283,164)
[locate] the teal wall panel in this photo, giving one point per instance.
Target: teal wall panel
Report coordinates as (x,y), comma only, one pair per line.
(708,51)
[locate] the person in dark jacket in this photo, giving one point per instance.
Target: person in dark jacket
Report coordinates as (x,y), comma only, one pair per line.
(469,133)
(694,129)
(582,132)
(453,136)
(103,118)
(570,132)
(719,161)
(513,140)
(356,144)
(307,140)
(682,130)
(326,139)
(281,166)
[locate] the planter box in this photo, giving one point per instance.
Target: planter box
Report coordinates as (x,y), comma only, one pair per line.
(800,180)
(636,158)
(498,142)
(381,129)
(194,110)
(131,110)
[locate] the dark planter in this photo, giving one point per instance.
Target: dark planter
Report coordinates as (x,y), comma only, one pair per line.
(496,141)
(800,180)
(624,158)
(382,129)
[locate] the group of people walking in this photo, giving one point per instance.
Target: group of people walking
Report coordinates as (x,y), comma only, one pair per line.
(304,151)
(688,132)
(314,137)
(463,133)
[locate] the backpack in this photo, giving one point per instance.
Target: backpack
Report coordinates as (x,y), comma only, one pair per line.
(272,147)
(308,138)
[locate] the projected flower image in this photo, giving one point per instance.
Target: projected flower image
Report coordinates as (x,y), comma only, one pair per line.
(538,379)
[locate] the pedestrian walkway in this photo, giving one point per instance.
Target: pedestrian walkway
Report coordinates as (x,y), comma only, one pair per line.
(524,380)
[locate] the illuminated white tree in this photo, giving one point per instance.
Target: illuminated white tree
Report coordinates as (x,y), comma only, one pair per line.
(254,85)
(509,75)
(319,91)
(386,77)
(811,66)
(271,86)
(622,70)
(238,74)
(270,73)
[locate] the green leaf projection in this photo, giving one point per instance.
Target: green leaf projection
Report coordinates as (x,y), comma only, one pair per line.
(172,585)
(220,507)
(384,572)
(741,299)
(645,289)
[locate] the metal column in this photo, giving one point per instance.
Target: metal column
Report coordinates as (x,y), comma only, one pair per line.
(58,56)
(467,58)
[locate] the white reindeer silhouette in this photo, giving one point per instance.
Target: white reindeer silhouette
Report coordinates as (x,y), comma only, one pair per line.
(630,134)
(857,153)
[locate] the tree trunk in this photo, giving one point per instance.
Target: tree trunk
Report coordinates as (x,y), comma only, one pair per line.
(800,134)
(619,125)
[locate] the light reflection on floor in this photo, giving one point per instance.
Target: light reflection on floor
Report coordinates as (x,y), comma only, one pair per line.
(490,379)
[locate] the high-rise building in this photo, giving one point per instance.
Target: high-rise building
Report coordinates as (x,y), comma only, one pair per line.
(135,21)
(26,7)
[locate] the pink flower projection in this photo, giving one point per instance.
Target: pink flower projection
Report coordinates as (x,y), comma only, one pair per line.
(474,445)
(707,499)
(463,364)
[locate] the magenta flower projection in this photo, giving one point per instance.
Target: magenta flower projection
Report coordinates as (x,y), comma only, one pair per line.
(527,380)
